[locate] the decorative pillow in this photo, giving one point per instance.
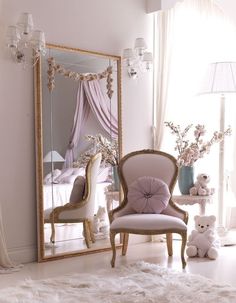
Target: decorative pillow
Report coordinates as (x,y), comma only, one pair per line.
(69,179)
(78,171)
(148,195)
(52,177)
(65,173)
(77,192)
(68,175)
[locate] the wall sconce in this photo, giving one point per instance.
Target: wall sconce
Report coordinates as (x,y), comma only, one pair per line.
(26,45)
(137,60)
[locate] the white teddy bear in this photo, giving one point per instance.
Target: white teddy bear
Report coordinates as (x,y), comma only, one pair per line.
(203,241)
(100,224)
(200,187)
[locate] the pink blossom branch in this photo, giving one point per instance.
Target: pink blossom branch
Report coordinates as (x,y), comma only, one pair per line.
(189,153)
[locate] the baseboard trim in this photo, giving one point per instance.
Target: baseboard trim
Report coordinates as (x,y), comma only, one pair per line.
(24,254)
(27,254)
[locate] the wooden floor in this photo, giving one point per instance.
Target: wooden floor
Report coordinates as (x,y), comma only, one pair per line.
(223,269)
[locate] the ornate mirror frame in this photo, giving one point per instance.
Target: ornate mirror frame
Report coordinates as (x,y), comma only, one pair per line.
(39,145)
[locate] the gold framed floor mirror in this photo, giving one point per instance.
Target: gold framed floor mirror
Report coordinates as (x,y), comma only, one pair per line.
(77,112)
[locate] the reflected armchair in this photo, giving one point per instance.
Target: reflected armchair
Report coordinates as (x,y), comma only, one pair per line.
(82,210)
(148,178)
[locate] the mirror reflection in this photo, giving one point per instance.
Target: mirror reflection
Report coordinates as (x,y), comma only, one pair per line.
(80,146)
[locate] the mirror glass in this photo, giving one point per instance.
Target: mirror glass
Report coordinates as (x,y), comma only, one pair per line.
(77,106)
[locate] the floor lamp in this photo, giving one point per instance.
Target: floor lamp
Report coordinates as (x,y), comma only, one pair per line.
(221,79)
(52,157)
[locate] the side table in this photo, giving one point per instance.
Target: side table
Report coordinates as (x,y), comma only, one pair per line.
(190,200)
(111,196)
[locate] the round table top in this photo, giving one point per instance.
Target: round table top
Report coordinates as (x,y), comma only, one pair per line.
(192,199)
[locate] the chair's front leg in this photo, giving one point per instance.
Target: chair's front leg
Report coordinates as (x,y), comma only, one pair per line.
(125,243)
(113,246)
(86,233)
(52,238)
(90,225)
(169,241)
(184,241)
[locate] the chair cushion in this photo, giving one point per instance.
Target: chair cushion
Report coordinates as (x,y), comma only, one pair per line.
(136,223)
(77,192)
(148,195)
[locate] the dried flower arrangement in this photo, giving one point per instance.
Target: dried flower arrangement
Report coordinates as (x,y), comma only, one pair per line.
(190,152)
(109,150)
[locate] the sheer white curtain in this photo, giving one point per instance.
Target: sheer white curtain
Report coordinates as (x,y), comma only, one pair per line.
(164,24)
(199,35)
(6,265)
(190,36)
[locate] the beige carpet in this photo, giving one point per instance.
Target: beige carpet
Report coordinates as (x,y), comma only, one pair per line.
(137,283)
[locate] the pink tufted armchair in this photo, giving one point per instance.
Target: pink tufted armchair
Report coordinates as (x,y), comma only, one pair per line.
(155,173)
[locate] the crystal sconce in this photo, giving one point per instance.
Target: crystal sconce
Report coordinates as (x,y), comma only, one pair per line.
(137,60)
(25,43)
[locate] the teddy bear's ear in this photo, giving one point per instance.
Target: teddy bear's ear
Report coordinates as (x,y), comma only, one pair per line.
(212,218)
(196,218)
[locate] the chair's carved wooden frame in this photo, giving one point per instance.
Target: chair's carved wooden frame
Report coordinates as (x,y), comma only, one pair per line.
(124,202)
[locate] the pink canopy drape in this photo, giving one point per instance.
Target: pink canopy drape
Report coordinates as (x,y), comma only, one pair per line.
(90,97)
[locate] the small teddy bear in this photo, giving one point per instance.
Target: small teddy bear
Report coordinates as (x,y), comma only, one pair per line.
(203,241)
(100,224)
(200,187)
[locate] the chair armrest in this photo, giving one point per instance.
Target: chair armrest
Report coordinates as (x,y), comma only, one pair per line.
(66,207)
(173,210)
(121,210)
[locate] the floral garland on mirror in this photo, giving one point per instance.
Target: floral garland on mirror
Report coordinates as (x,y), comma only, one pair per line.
(54,68)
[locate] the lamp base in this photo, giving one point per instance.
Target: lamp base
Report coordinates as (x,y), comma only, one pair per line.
(51,245)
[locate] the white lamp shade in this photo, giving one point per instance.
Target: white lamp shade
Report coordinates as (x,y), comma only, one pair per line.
(137,59)
(220,78)
(53,156)
(147,57)
(128,53)
(12,36)
(25,23)
(140,44)
(38,40)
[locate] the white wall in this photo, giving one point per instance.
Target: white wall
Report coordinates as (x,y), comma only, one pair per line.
(104,26)
(229,7)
